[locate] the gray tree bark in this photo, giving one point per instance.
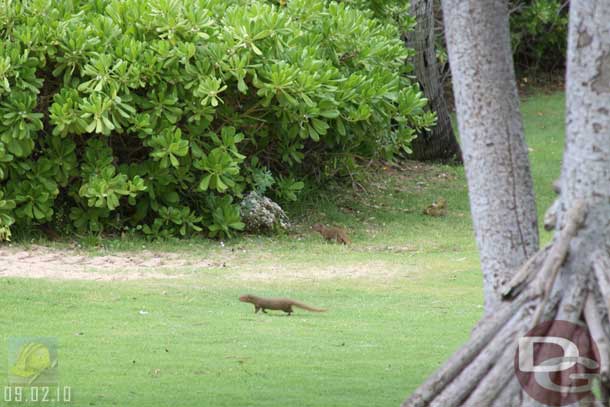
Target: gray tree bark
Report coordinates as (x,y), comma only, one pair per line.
(570,279)
(440,143)
(586,170)
(493,145)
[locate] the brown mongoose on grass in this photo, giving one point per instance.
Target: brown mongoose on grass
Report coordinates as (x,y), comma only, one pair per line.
(332,233)
(278,304)
(438,208)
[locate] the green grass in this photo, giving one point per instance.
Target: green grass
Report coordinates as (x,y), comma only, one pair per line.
(401,299)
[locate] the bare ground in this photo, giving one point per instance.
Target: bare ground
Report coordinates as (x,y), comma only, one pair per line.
(73,264)
(67,264)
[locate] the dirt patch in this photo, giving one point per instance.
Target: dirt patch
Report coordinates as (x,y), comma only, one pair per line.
(43,262)
(73,264)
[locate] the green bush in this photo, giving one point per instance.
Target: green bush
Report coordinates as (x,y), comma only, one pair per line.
(539,31)
(158,115)
(390,11)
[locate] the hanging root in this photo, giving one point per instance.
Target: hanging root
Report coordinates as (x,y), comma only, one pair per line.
(481,373)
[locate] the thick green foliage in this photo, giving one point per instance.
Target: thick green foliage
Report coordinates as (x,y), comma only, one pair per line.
(391,11)
(158,115)
(539,34)
(538,30)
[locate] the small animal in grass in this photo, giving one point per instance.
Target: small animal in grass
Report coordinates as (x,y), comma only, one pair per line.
(339,235)
(438,208)
(278,304)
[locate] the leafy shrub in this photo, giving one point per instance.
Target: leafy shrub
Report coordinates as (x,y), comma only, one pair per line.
(390,11)
(159,115)
(539,34)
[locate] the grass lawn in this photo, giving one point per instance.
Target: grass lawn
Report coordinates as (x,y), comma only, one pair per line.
(401,298)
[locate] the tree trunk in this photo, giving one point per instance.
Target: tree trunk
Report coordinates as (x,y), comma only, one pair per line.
(494,150)
(440,142)
(586,169)
(570,279)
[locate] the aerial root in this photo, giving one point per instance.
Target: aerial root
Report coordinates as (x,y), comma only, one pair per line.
(487,330)
(575,217)
(471,376)
(599,336)
(601,267)
(510,394)
(525,274)
(481,372)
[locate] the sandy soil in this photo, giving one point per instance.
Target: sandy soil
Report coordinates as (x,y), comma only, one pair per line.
(246,265)
(43,262)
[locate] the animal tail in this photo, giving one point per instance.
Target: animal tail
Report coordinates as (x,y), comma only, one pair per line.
(307,307)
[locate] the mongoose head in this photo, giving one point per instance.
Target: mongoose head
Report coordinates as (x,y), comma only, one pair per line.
(318,227)
(246,298)
(441,203)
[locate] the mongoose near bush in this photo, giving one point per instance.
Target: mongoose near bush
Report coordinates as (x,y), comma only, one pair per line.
(332,233)
(278,304)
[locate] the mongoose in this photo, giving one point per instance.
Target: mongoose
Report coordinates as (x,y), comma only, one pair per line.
(331,233)
(279,304)
(438,208)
